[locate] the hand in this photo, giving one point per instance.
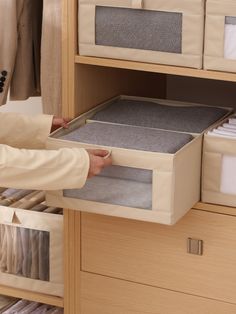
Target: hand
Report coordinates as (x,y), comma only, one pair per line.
(58,122)
(97,161)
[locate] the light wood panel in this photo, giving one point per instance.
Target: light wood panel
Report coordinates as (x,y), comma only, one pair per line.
(157,255)
(69,262)
(31,296)
(101,295)
(214,208)
(157,68)
(94,85)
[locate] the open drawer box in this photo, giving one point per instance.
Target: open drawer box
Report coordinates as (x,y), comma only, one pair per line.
(31,250)
(219,164)
(145,182)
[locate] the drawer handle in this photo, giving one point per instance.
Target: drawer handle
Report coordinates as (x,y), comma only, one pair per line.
(195,246)
(108,155)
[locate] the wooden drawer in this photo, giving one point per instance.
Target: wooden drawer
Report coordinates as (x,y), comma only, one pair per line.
(157,255)
(122,297)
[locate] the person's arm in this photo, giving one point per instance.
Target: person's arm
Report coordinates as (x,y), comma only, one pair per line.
(66,168)
(22,131)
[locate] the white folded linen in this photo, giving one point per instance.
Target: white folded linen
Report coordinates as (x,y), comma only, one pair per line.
(232,121)
(229,126)
(222,133)
(230,42)
(229,130)
(228,174)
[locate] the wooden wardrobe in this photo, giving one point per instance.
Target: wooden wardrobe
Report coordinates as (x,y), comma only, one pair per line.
(121,266)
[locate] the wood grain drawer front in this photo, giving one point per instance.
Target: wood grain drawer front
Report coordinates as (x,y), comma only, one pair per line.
(106,295)
(157,255)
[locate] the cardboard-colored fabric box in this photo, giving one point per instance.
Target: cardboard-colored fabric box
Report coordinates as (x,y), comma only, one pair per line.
(31,252)
(220,36)
(165,32)
(151,185)
(219,168)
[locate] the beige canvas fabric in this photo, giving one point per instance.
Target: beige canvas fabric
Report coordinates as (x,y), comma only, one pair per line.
(192,32)
(37,168)
(176,184)
(216,11)
(176,177)
(43,222)
(213,150)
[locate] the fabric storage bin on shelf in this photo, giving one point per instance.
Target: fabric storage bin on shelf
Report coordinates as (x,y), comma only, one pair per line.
(155,174)
(143,30)
(219,160)
(220,36)
(31,243)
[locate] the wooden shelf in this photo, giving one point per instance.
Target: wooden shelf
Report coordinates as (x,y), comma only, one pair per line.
(225,210)
(31,296)
(156,68)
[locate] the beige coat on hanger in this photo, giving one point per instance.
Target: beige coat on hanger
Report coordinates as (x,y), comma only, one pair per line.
(20,38)
(32,167)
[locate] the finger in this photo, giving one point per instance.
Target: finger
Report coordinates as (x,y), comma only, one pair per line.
(67,119)
(65,125)
(99,152)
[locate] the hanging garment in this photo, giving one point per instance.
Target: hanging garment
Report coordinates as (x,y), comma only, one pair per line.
(18,65)
(3,256)
(17,307)
(25,240)
(34,244)
(26,76)
(17,252)
(51,76)
(43,250)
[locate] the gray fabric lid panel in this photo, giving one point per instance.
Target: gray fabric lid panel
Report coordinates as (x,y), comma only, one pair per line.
(114,191)
(192,119)
(129,137)
(138,29)
(230,20)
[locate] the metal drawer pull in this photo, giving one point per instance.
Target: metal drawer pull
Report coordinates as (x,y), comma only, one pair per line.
(195,246)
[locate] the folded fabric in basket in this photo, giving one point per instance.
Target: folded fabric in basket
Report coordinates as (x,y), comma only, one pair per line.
(228,179)
(230,38)
(129,137)
(115,191)
(192,119)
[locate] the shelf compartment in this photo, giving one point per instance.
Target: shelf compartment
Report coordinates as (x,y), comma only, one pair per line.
(156,68)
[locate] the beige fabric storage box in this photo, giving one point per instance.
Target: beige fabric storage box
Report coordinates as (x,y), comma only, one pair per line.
(166,32)
(219,166)
(31,250)
(220,36)
(170,181)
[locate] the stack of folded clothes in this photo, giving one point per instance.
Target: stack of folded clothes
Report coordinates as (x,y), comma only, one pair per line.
(227,129)
(28,307)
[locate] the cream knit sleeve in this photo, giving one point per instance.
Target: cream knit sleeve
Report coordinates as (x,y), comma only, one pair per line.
(65,168)
(24,131)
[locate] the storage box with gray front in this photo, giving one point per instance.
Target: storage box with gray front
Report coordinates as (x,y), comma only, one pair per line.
(220,35)
(156,153)
(156,31)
